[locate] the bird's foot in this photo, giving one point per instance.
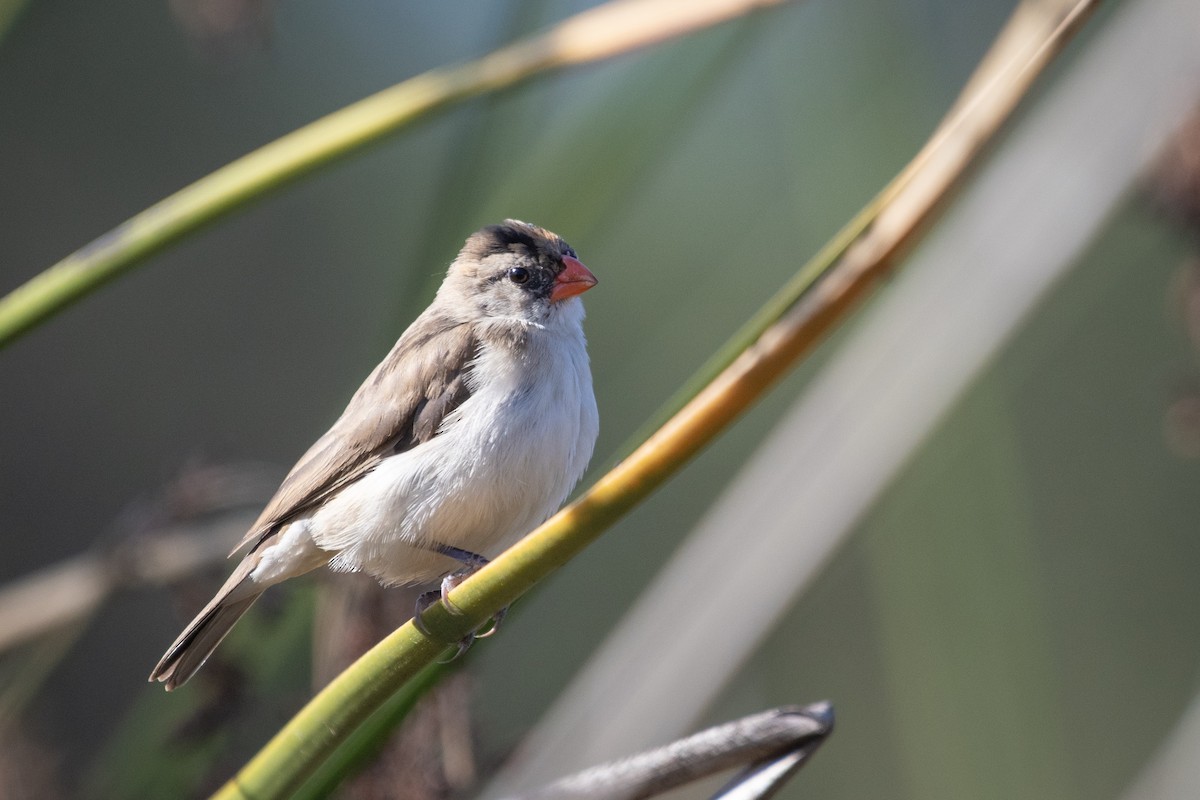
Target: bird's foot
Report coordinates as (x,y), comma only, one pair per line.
(471,564)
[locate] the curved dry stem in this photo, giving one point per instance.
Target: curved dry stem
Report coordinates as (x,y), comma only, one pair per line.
(822,294)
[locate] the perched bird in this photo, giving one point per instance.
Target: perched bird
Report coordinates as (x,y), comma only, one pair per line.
(470,433)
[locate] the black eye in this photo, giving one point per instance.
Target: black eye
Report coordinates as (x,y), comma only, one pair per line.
(518,275)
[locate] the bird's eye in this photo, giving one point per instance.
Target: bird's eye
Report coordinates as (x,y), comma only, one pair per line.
(518,275)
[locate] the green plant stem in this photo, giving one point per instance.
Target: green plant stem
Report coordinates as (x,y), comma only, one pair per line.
(614,28)
(825,290)
(366,741)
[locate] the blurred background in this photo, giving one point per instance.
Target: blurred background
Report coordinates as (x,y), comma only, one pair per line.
(1015,617)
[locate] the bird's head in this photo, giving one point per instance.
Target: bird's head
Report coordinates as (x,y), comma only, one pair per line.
(518,271)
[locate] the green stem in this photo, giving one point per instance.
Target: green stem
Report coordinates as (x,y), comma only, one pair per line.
(248,178)
(366,741)
(593,35)
(819,296)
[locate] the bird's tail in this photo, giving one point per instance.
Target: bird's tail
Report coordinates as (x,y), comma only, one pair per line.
(201,637)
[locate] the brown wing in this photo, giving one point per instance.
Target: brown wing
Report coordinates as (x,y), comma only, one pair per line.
(401,404)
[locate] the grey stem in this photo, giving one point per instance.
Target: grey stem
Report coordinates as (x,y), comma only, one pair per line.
(770,740)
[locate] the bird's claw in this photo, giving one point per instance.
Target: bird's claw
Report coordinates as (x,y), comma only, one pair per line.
(493,624)
(449,583)
(464,645)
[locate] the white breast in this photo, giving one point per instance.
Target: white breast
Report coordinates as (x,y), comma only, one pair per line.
(505,460)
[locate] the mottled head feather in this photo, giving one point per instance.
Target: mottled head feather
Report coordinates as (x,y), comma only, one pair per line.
(480,279)
(517,238)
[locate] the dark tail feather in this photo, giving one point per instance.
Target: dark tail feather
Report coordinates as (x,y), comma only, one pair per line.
(201,637)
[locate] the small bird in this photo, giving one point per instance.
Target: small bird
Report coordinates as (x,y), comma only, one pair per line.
(470,433)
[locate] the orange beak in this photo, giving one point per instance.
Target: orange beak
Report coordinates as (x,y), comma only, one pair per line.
(573,280)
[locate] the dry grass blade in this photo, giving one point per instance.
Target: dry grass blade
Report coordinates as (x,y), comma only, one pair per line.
(189,527)
(587,703)
(70,591)
(903,210)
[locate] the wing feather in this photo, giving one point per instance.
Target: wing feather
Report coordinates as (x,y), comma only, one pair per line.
(401,405)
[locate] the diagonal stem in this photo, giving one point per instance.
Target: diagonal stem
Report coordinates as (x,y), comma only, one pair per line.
(609,30)
(823,293)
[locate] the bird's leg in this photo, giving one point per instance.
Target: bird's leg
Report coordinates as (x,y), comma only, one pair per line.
(472,563)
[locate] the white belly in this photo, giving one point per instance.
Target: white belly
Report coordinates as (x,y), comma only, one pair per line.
(503,462)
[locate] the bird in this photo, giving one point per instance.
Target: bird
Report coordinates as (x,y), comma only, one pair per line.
(471,432)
